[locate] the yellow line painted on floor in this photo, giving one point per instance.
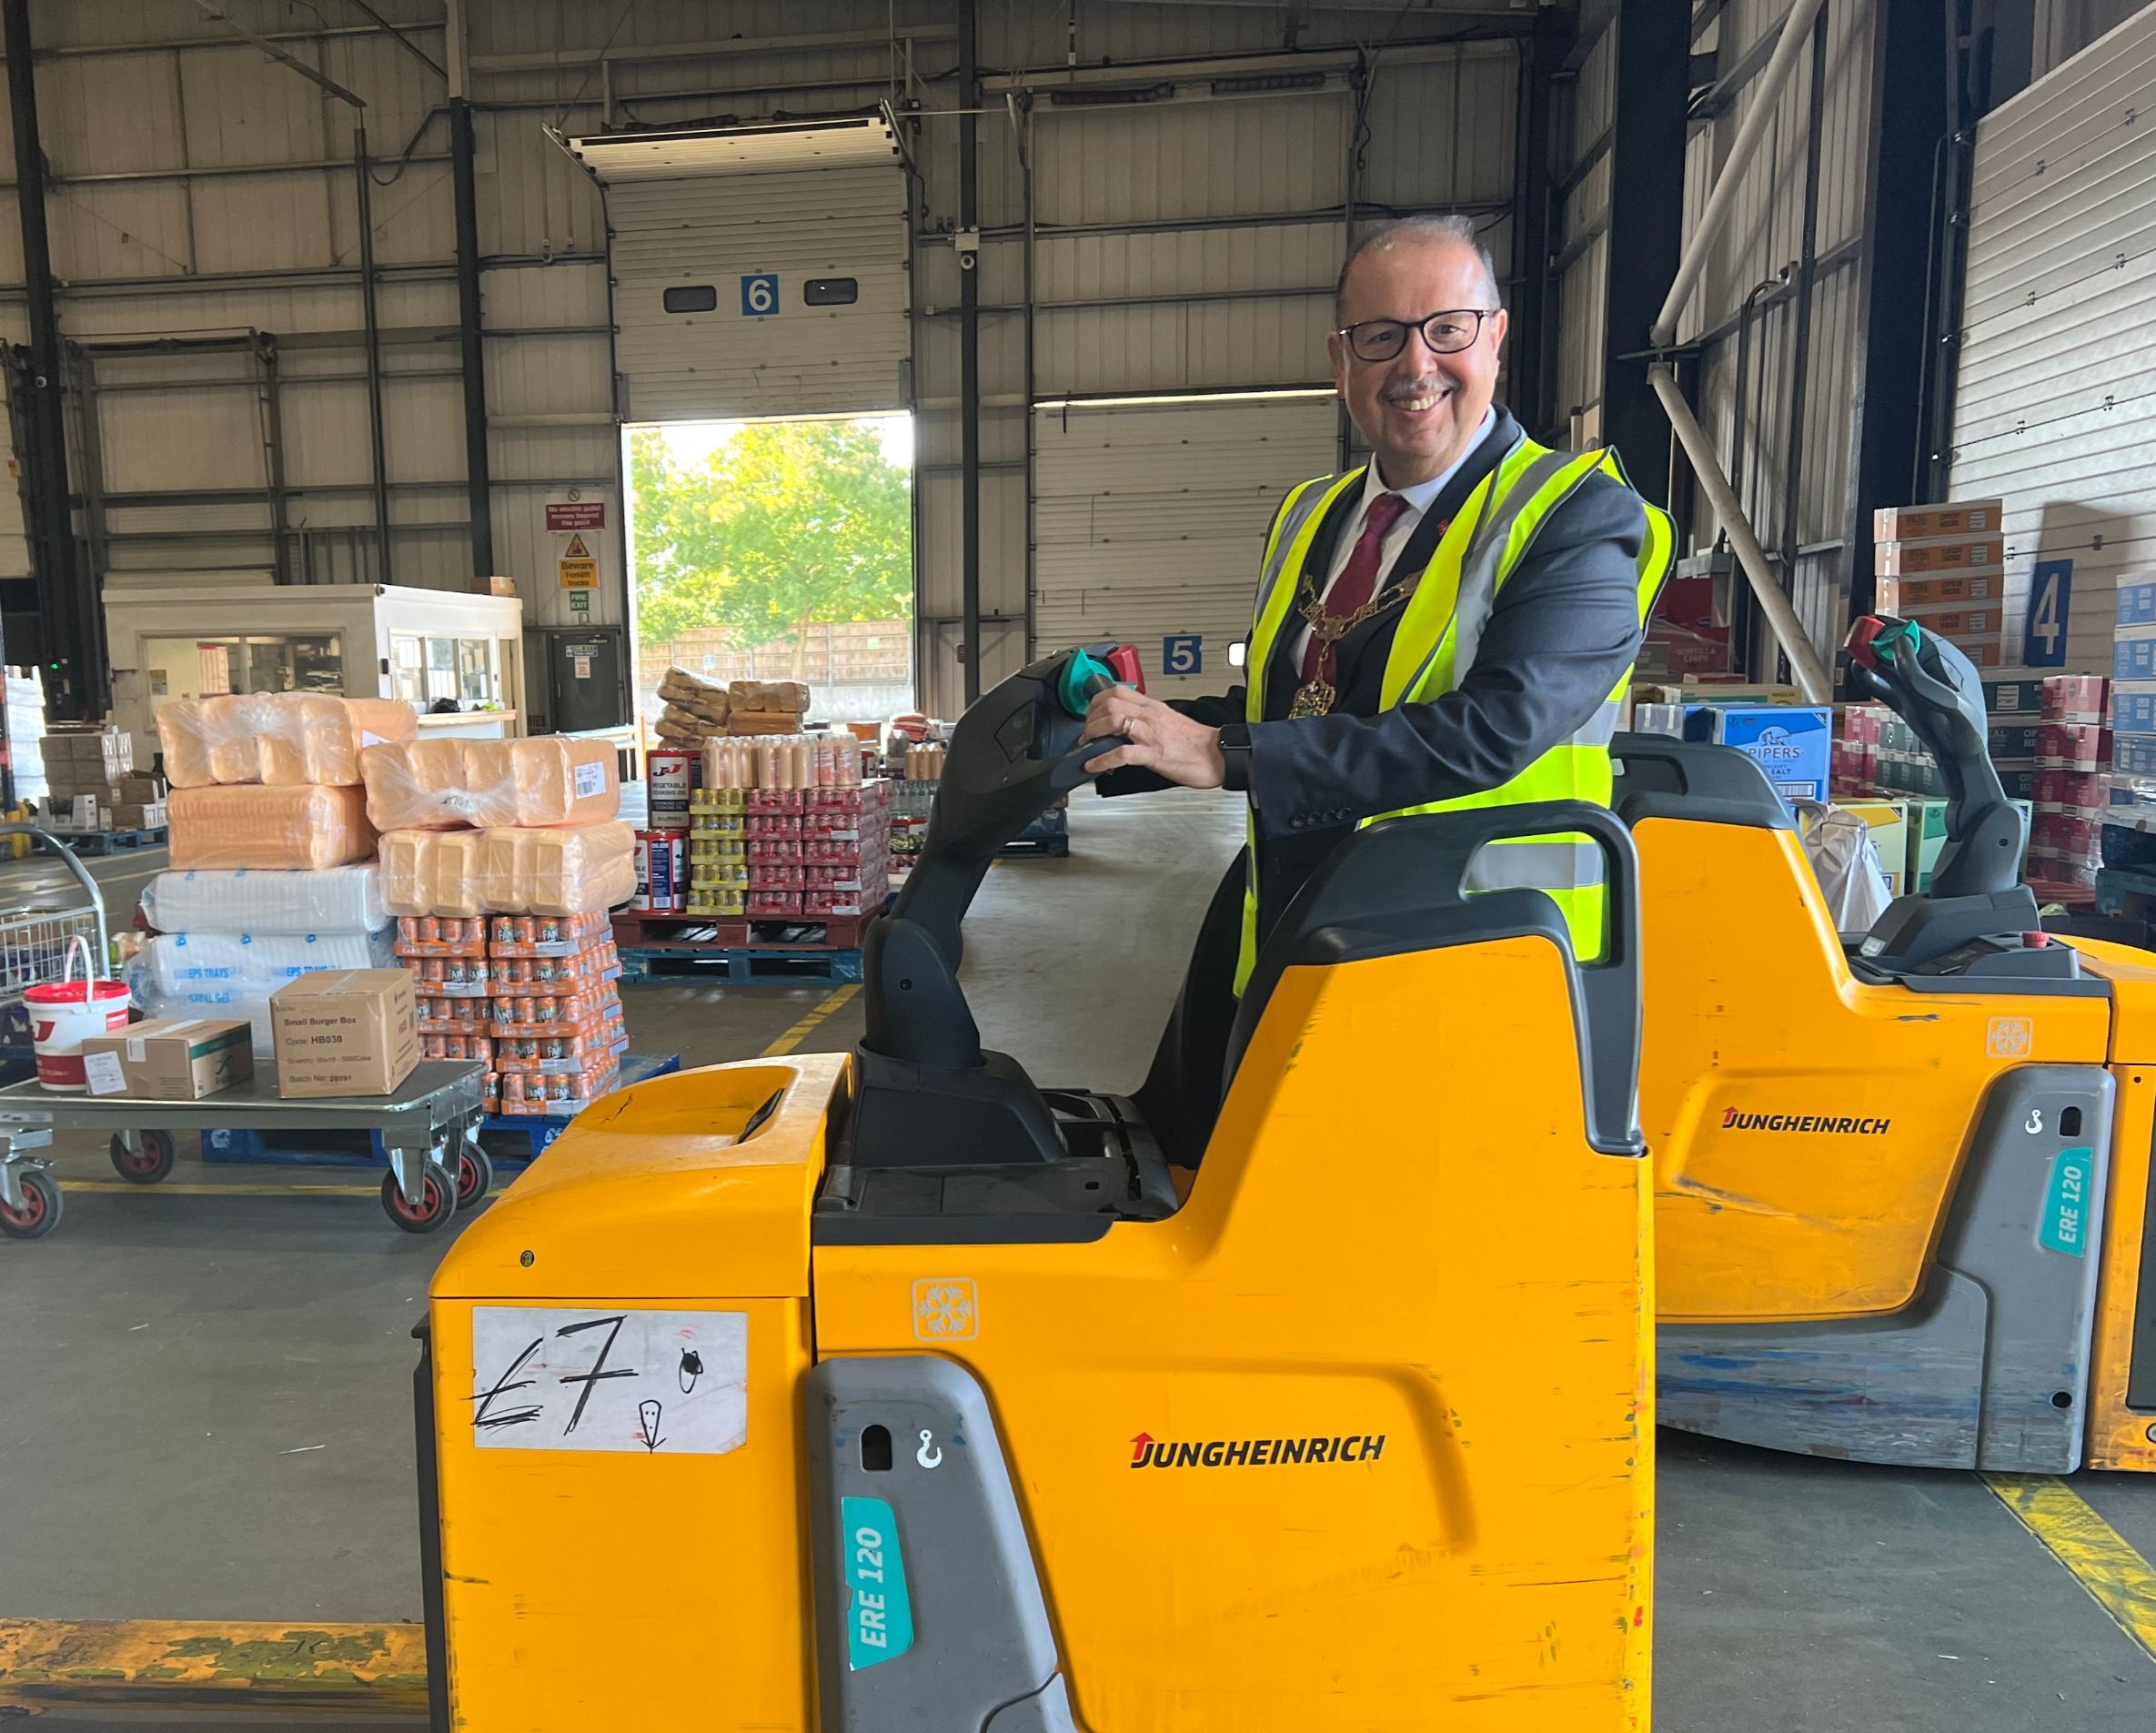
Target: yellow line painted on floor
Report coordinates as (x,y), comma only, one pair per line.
(144,1661)
(2118,1578)
(801,1031)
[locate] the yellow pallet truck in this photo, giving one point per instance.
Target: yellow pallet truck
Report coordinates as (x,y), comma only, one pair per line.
(883,1391)
(1903,1206)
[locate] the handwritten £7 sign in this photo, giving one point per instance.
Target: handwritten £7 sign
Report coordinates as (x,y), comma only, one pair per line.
(559,1378)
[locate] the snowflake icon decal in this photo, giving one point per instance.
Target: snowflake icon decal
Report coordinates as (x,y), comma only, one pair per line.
(946,1309)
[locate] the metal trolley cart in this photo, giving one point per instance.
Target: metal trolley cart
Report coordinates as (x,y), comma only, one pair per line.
(429,1126)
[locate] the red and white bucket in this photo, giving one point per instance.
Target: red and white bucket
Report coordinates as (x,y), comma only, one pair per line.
(64,1014)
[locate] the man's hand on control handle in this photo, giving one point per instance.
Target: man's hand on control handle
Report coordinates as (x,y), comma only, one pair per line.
(1163,740)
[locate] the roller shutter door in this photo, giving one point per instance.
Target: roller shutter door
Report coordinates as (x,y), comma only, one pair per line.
(1150,522)
(758,272)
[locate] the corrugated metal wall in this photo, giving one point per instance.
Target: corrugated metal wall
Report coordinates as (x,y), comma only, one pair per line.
(1183,243)
(2052,412)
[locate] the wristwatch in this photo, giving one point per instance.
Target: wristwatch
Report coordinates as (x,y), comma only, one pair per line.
(1234,752)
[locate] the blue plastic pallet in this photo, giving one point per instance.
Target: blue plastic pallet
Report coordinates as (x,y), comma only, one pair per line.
(511,1139)
(640,962)
(110,841)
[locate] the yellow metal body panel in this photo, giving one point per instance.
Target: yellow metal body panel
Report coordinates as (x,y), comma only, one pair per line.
(590,1589)
(2117,1435)
(1752,1011)
(1462,1278)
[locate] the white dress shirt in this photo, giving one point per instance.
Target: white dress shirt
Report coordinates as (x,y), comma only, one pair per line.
(1418,499)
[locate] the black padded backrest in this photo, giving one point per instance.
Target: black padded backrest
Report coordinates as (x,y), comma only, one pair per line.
(1399,886)
(1661,777)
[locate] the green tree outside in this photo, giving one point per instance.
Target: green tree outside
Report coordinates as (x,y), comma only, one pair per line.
(787,525)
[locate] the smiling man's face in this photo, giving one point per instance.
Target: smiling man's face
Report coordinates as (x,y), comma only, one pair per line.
(1417,410)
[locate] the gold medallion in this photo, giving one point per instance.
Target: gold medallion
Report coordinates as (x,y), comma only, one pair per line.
(1313,698)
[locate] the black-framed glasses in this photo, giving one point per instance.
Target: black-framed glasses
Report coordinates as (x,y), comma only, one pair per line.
(1446,333)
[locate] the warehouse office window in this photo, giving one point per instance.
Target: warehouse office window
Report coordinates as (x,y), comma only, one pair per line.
(776,550)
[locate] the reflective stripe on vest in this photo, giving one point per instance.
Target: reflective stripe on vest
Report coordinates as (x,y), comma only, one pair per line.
(1439,634)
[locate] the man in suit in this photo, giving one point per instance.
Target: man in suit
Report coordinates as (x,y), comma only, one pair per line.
(1450,626)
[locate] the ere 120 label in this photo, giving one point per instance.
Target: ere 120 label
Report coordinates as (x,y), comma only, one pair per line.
(878,1612)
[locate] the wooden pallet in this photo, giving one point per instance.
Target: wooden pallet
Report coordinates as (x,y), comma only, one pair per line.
(111,842)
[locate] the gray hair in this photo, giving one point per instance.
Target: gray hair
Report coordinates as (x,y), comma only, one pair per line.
(1448,230)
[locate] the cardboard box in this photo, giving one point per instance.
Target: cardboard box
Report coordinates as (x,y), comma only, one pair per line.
(2133,653)
(142,789)
(1981,556)
(344,1032)
(135,815)
(92,751)
(2133,707)
(1954,518)
(171,1058)
(2134,755)
(2011,740)
(1960,623)
(2076,698)
(2018,780)
(2135,601)
(2005,697)
(2073,746)
(1895,594)
(499,586)
(2070,791)
(1790,741)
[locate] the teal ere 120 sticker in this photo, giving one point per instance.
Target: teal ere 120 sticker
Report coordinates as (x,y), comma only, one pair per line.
(2065,1223)
(879,1613)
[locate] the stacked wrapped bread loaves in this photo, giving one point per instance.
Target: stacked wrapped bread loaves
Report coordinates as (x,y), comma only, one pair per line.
(695,710)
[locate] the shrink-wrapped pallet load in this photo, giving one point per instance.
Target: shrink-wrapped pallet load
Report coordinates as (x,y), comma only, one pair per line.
(281,738)
(302,826)
(560,871)
(436,784)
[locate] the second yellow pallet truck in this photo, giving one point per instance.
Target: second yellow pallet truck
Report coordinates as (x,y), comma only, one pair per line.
(859,1394)
(1902,1177)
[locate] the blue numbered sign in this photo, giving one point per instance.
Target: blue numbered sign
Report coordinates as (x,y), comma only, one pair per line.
(1183,655)
(759,296)
(2050,594)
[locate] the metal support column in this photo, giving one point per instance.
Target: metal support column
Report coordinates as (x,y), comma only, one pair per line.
(1895,343)
(1807,259)
(470,330)
(66,595)
(1534,334)
(363,176)
(269,385)
(1646,212)
(969,388)
(82,371)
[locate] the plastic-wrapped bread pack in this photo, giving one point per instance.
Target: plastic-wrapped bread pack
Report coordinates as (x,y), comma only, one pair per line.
(301,827)
(439,785)
(345,899)
(508,871)
(695,708)
(789,762)
(278,738)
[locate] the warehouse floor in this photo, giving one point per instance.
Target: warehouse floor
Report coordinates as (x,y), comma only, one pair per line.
(205,1386)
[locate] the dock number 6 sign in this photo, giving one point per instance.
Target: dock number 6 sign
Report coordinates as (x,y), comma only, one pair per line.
(1183,655)
(759,296)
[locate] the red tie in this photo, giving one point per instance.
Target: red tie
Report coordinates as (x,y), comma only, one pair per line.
(1359,578)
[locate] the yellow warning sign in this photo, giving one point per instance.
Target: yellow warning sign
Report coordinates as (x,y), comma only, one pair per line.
(579,574)
(576,549)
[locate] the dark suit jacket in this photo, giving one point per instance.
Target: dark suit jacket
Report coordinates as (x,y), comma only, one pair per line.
(1564,628)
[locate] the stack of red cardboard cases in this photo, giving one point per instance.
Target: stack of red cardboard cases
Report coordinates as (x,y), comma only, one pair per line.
(2073,757)
(1682,638)
(819,852)
(1859,738)
(532,996)
(1944,566)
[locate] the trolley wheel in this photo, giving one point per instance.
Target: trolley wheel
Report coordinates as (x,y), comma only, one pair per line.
(475,1173)
(437,1204)
(40,1213)
(148,1164)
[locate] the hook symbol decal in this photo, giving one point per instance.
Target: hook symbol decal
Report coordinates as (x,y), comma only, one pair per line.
(2036,1120)
(928,1456)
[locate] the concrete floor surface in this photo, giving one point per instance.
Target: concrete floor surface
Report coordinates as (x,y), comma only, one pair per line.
(205,1399)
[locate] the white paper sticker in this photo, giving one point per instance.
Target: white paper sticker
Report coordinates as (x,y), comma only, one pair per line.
(103,1074)
(591,778)
(369,739)
(550,1378)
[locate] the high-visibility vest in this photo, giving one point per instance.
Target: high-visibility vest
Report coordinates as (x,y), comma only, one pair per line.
(1440,630)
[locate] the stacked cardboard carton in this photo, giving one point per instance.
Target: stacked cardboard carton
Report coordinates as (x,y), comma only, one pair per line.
(92,782)
(26,733)
(695,710)
(1944,566)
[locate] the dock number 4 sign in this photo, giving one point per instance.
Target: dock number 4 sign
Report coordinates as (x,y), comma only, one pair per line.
(2050,596)
(759,296)
(1184,655)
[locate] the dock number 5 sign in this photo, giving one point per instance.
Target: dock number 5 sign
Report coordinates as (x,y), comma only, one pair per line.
(759,296)
(2051,591)
(1183,655)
